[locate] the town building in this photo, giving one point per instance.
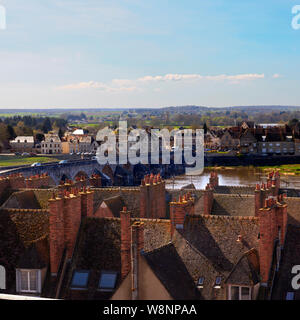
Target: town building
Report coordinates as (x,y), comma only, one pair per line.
(51,144)
(22,144)
(82,241)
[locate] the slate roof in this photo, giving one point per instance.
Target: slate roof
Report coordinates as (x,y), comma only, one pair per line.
(22,200)
(99,249)
(208,247)
(234,189)
(189,186)
(130,196)
(171,271)
(35,256)
(233,205)
(29,199)
(23,242)
(246,271)
(115,204)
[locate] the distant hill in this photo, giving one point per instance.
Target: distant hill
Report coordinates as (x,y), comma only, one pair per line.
(189,109)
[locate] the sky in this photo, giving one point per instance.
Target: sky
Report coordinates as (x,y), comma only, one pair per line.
(148,53)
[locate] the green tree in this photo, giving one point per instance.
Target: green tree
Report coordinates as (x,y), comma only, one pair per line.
(47,125)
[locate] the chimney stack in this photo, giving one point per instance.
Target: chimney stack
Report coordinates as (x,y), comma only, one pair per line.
(272,226)
(125,242)
(137,244)
(208,199)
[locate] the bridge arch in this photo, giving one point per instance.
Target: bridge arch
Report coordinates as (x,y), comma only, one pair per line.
(80,174)
(64,177)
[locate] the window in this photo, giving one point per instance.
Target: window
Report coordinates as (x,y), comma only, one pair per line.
(28,280)
(107,280)
(239,293)
(218,283)
(80,279)
(200,282)
(2,278)
(289,296)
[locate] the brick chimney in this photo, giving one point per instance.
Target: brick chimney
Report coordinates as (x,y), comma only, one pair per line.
(276,183)
(179,209)
(152,197)
(260,195)
(208,199)
(64,223)
(214,179)
(56,232)
(37,181)
(272,226)
(87,202)
(137,244)
(125,242)
(72,218)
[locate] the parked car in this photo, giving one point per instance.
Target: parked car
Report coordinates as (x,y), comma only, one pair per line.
(25,154)
(63,161)
(36,164)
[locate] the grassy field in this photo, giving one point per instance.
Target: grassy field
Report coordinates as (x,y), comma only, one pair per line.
(286,169)
(6,161)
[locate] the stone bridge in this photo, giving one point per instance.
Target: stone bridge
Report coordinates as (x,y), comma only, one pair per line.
(122,175)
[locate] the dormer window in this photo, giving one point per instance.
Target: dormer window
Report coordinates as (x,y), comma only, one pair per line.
(239,293)
(28,281)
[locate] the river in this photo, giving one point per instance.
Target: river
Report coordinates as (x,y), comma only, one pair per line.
(241,176)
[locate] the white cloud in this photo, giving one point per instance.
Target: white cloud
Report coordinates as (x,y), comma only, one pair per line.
(128,85)
(97,85)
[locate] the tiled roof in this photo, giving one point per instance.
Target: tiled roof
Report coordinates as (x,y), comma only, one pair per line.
(234,190)
(208,247)
(99,248)
(246,271)
(29,199)
(188,186)
(233,205)
(171,271)
(130,197)
(21,233)
(115,204)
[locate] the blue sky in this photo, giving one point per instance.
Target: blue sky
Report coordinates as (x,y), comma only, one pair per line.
(148,53)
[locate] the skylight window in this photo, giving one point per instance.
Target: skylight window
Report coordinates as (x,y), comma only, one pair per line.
(107,281)
(200,282)
(218,282)
(289,296)
(80,279)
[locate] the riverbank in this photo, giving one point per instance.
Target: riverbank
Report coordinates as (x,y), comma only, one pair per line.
(284,169)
